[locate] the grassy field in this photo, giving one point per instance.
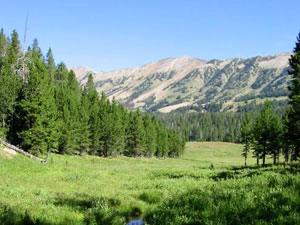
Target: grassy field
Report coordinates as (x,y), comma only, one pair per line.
(93,190)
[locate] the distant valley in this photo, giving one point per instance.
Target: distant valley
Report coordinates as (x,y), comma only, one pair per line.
(174,83)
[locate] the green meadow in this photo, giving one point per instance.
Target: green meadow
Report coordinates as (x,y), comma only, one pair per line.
(207,185)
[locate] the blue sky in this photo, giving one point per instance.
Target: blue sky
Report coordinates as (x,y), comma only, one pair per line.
(107,35)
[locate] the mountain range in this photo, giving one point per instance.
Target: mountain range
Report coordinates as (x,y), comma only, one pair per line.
(173,83)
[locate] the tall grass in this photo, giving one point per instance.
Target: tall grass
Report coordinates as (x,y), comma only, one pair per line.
(92,190)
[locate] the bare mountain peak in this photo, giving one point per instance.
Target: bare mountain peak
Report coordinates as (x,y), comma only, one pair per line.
(80,68)
(171,83)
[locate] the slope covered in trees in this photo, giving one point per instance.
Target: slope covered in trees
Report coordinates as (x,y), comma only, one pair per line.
(270,135)
(43,109)
(267,130)
(215,126)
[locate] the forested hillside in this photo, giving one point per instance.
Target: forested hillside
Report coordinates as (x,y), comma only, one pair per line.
(174,83)
(43,109)
(213,125)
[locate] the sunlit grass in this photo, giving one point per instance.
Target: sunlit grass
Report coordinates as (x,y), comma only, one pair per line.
(67,187)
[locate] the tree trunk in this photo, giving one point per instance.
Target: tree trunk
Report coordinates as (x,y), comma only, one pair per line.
(3,121)
(286,157)
(264,155)
(105,150)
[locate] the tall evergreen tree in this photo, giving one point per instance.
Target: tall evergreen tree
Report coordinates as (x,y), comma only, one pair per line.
(84,129)
(286,142)
(3,47)
(276,138)
(162,141)
(262,132)
(14,50)
(104,123)
(135,135)
(150,136)
(294,101)
(74,128)
(116,137)
(246,137)
(50,64)
(91,95)
(175,144)
(36,109)
(9,81)
(47,111)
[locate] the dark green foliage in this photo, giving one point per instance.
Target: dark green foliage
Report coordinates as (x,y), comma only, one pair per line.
(293,122)
(43,109)
(10,83)
(246,136)
(209,126)
(286,142)
(136,135)
(277,106)
(234,202)
(266,132)
(91,98)
(50,64)
(162,140)
(8,216)
(36,109)
(150,136)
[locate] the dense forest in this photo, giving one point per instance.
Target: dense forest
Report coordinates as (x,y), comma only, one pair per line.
(268,135)
(43,109)
(270,130)
(215,125)
(205,126)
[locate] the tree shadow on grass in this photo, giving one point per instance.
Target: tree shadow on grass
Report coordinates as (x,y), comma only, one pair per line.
(250,171)
(82,202)
(9,216)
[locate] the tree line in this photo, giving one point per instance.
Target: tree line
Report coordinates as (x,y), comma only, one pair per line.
(271,136)
(215,126)
(205,126)
(43,109)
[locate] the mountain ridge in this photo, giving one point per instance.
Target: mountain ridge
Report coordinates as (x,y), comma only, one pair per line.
(172,83)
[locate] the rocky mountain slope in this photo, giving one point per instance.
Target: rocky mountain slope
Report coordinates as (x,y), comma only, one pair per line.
(172,83)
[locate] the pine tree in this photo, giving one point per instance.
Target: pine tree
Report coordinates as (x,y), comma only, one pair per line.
(175,144)
(47,111)
(36,109)
(84,129)
(3,47)
(91,95)
(74,128)
(150,136)
(135,145)
(262,133)
(276,138)
(294,102)
(9,81)
(246,136)
(14,51)
(50,64)
(286,143)
(61,75)
(162,140)
(104,123)
(116,137)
